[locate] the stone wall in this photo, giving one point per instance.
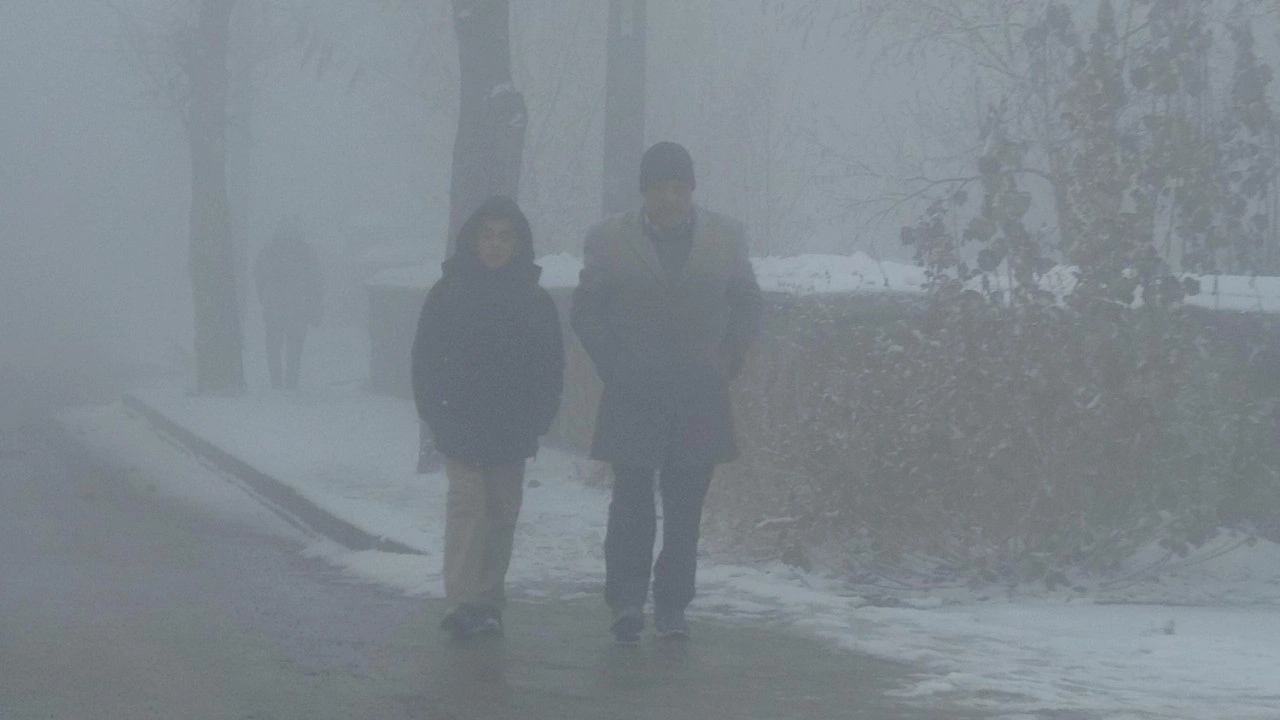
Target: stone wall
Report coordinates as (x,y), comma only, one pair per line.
(774,370)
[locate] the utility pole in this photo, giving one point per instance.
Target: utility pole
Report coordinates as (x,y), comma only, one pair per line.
(624,101)
(219,364)
(491,113)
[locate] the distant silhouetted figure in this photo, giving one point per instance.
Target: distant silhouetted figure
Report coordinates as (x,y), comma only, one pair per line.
(289,288)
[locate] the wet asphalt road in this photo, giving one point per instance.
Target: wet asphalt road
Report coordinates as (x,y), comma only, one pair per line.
(116,602)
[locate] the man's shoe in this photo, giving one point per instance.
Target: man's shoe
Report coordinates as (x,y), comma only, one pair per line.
(627,624)
(466,621)
(671,624)
(486,620)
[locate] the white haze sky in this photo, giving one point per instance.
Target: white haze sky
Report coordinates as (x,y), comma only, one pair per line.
(94,174)
(92,198)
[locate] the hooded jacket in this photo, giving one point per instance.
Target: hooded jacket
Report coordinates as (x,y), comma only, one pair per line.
(488,356)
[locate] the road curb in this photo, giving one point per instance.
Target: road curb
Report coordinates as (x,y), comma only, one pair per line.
(272,491)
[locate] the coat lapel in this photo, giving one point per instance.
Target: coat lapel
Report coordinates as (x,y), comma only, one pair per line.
(699,251)
(643,247)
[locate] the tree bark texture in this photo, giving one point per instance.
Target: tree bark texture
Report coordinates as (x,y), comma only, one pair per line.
(219,361)
(491,115)
(624,101)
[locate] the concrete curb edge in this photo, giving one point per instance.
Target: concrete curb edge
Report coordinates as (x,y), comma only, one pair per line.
(302,510)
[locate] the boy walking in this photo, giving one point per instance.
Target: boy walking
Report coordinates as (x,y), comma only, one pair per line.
(488,372)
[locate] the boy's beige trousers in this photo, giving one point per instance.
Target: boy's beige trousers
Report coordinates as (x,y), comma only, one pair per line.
(480,526)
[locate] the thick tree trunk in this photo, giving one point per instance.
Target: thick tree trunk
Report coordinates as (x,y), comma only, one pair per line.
(219,362)
(491,115)
(240,161)
(624,98)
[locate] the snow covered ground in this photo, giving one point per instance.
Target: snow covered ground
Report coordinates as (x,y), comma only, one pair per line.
(1201,641)
(353,454)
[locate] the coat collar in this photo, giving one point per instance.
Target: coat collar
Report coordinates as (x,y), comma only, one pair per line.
(643,246)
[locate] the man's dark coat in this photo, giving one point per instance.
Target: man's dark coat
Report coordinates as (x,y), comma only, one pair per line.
(665,344)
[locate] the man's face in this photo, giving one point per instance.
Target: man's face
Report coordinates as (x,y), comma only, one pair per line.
(668,203)
(495,242)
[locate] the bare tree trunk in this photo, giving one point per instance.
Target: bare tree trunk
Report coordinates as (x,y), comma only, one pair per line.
(491,115)
(240,162)
(624,101)
(219,362)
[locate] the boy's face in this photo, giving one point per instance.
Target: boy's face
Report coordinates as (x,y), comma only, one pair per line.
(495,242)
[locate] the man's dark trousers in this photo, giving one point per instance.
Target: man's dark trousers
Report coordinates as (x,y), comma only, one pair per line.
(628,544)
(285,339)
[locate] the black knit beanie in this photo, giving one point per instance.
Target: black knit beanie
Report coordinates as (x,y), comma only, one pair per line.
(665,161)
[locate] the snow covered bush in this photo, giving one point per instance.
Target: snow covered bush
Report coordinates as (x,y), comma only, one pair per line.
(975,441)
(1005,430)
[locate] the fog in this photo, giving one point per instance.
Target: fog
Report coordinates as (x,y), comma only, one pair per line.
(96,177)
(92,211)
(799,125)
(96,173)
(1046,364)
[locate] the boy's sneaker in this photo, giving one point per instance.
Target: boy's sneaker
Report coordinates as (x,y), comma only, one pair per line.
(457,621)
(627,624)
(671,624)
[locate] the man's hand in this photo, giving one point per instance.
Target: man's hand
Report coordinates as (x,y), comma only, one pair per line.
(727,365)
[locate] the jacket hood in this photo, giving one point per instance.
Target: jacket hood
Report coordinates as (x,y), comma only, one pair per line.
(498,206)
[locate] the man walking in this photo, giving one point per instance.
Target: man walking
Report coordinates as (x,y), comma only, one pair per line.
(289,282)
(667,305)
